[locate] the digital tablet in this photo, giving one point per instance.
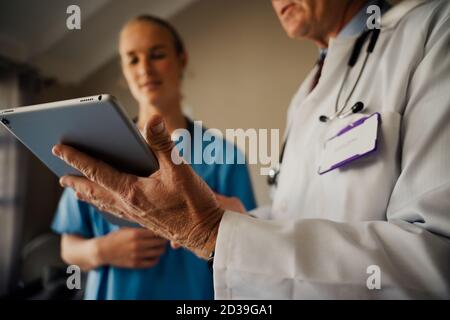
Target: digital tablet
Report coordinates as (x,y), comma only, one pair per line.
(96,125)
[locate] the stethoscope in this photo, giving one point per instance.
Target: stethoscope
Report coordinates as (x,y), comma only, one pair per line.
(339,113)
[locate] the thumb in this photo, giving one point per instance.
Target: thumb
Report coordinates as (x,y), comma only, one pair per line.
(158,138)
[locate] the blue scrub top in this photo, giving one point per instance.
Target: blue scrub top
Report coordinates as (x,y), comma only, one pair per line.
(179,274)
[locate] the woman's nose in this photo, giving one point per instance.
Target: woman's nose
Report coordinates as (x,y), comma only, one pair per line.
(145,67)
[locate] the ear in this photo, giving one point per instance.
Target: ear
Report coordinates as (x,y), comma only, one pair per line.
(184,60)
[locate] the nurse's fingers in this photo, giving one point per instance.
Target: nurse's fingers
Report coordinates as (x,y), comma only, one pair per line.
(93,169)
(140,263)
(149,236)
(153,242)
(175,245)
(152,253)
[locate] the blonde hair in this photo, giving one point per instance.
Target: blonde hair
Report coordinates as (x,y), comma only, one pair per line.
(177,41)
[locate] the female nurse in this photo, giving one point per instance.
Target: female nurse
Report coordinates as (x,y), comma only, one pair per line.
(132,262)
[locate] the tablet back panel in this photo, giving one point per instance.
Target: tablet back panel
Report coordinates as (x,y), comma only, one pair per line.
(96,125)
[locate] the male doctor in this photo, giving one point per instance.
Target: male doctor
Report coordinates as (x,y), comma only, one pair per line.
(364,187)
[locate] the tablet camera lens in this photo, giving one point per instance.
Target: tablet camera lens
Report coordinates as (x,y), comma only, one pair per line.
(99,98)
(5,121)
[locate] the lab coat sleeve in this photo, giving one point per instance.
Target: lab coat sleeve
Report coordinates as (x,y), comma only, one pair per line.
(314,258)
(263,212)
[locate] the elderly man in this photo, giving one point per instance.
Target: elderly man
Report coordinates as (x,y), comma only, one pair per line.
(361,208)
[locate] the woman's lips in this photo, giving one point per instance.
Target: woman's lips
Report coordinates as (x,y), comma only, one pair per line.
(150,85)
(286,8)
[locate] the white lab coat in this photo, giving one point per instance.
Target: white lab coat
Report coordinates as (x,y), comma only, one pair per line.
(391,209)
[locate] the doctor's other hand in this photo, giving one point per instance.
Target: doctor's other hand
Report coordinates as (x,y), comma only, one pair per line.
(173,202)
(130,248)
(230,203)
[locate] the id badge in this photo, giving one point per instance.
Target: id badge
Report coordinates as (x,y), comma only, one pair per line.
(355,141)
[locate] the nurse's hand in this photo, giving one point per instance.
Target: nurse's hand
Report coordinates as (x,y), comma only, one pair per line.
(130,248)
(173,202)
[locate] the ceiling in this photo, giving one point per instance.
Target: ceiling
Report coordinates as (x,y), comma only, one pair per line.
(35,32)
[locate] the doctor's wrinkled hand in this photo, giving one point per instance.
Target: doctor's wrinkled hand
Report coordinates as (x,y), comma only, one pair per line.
(173,202)
(226,203)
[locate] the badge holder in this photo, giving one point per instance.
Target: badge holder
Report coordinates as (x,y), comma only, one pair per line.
(357,140)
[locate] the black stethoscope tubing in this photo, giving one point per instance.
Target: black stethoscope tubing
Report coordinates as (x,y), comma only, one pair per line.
(359,106)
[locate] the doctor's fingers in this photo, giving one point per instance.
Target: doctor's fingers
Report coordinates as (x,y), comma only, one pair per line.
(162,145)
(96,195)
(230,203)
(95,170)
(158,138)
